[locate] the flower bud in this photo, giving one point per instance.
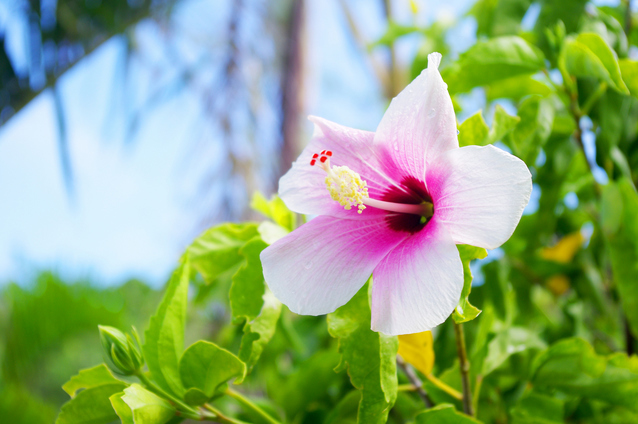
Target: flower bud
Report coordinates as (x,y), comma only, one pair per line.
(122,351)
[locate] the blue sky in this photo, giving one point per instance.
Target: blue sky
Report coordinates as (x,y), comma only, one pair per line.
(131,214)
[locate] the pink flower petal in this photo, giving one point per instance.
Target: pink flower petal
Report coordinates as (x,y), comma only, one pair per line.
(479,193)
(419,124)
(303,188)
(418,284)
(322,264)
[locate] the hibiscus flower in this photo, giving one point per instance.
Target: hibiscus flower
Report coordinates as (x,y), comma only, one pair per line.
(393,203)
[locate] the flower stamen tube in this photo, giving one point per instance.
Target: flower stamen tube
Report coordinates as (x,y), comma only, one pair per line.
(348,188)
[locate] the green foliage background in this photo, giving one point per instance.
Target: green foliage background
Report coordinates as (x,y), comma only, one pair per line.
(550,334)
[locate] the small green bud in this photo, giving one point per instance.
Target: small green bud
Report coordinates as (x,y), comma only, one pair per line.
(121,350)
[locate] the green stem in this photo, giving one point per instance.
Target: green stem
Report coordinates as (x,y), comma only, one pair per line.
(250,405)
(219,415)
(464,364)
(152,386)
(595,96)
(190,415)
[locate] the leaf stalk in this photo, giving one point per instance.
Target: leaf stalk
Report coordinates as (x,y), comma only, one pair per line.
(155,388)
(447,389)
(250,405)
(464,365)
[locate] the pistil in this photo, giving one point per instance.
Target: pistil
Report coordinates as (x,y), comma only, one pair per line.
(349,189)
(425,209)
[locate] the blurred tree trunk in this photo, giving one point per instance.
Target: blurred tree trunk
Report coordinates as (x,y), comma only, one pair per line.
(293,87)
(395,83)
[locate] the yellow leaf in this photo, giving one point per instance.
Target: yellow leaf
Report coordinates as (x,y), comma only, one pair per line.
(418,350)
(564,251)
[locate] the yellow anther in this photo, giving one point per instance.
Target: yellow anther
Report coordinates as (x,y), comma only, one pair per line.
(346,187)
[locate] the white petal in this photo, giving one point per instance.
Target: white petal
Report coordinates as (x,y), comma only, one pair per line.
(322,264)
(419,123)
(418,285)
(303,188)
(479,193)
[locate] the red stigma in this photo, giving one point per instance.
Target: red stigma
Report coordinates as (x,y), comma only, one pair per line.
(321,157)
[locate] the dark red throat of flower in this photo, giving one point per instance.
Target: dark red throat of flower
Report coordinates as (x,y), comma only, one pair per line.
(412,192)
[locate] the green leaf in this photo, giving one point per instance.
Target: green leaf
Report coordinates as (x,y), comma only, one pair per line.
(464,310)
(393,32)
(502,124)
(311,382)
(507,343)
(572,366)
(480,345)
(345,412)
(121,408)
(164,338)
(369,357)
(473,131)
(620,225)
(147,407)
(564,362)
(444,414)
(258,332)
(620,160)
(195,396)
(534,128)
(589,56)
(206,366)
(567,11)
(629,72)
(90,377)
(217,249)
(248,288)
(499,17)
(563,126)
(613,122)
(91,406)
(489,61)
(607,56)
(275,209)
(516,88)
(538,409)
(251,302)
(271,232)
